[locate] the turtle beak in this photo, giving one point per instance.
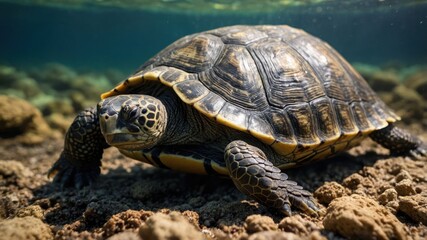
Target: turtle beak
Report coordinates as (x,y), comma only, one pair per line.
(107,124)
(114,133)
(117,139)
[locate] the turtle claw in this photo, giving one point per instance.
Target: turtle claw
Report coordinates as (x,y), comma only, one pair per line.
(419,153)
(286,209)
(67,175)
(304,203)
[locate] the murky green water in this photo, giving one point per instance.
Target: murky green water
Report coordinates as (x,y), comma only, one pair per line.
(60,55)
(123,34)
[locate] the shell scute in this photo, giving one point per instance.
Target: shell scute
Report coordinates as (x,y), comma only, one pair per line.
(235,78)
(372,115)
(360,118)
(261,129)
(327,124)
(233,116)
(173,75)
(210,105)
(190,91)
(243,38)
(195,55)
(345,117)
(287,77)
(283,129)
(301,118)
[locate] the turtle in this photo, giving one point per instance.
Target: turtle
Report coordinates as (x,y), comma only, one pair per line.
(244,102)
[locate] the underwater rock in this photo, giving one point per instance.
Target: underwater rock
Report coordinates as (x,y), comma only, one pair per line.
(32,210)
(418,82)
(383,81)
(91,85)
(125,236)
(125,221)
(57,76)
(171,226)
(17,83)
(9,75)
(297,225)
(379,79)
(59,122)
(272,235)
(415,207)
(28,86)
(358,217)
(42,100)
(22,120)
(257,223)
(389,199)
(79,101)
(329,191)
(404,96)
(10,204)
(26,228)
(14,173)
(407,102)
(365,70)
(403,89)
(61,106)
(405,188)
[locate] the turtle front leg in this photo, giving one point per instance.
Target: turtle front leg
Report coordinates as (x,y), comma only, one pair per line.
(80,161)
(255,176)
(399,141)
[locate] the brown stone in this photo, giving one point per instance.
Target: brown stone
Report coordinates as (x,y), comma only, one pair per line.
(26,228)
(362,218)
(258,223)
(171,226)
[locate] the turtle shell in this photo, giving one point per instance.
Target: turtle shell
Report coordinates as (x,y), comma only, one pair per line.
(287,88)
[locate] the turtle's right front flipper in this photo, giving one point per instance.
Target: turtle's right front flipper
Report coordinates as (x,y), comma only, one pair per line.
(255,176)
(80,161)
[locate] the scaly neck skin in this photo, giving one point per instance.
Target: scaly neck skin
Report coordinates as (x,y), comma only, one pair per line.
(184,124)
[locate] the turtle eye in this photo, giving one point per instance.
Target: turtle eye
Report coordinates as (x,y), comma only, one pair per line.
(132,114)
(129,113)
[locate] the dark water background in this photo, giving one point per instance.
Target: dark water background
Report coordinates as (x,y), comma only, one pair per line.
(124,39)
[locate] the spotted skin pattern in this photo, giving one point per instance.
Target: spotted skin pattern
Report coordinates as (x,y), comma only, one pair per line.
(137,115)
(399,142)
(80,160)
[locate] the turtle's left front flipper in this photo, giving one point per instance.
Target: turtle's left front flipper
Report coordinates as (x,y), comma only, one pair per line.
(400,142)
(258,178)
(80,161)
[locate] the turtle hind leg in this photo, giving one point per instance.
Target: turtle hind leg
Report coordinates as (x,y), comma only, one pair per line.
(255,176)
(399,141)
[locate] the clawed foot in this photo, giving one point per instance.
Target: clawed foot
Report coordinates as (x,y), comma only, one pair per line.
(294,195)
(67,175)
(420,152)
(258,178)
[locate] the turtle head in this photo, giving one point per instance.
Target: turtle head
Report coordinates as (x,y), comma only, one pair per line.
(132,121)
